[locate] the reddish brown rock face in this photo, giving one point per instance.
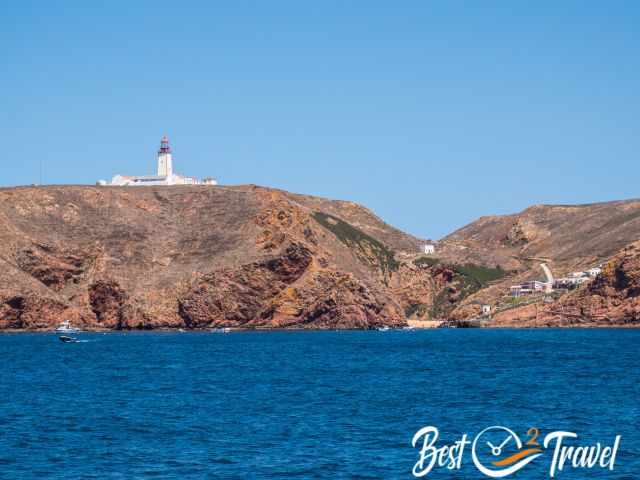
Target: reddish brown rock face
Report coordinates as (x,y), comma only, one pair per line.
(190,257)
(621,277)
(111,307)
(52,267)
(612,299)
(331,299)
(236,297)
(252,257)
(30,312)
(274,294)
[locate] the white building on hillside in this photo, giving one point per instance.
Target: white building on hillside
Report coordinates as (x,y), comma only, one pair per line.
(165,174)
(595,271)
(429,249)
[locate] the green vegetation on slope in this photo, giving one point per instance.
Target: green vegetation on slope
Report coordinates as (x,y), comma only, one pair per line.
(442,304)
(426,261)
(481,275)
(366,248)
(467,280)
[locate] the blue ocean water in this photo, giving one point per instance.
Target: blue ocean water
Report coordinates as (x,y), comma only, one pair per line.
(334,405)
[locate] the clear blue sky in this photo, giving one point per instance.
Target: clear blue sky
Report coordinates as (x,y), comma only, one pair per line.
(430,113)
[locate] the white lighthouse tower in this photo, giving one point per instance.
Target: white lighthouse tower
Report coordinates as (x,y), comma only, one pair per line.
(165,173)
(165,168)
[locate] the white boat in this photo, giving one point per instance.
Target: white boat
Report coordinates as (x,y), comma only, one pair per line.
(383,329)
(65,327)
(221,330)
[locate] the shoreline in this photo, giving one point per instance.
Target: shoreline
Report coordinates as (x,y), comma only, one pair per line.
(270,330)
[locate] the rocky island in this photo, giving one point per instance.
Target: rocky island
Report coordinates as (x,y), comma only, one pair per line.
(198,257)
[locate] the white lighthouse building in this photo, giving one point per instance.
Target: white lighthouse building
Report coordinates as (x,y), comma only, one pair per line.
(165,168)
(165,174)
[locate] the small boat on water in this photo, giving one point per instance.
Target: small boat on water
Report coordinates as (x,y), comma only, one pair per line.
(66,339)
(383,329)
(221,330)
(65,327)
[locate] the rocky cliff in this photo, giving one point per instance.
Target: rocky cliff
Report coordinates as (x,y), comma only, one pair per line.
(565,237)
(612,299)
(202,257)
(198,257)
(568,235)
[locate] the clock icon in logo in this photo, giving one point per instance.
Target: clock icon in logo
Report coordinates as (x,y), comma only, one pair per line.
(498,451)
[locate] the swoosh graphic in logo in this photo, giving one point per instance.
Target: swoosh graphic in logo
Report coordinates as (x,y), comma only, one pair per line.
(515,464)
(515,457)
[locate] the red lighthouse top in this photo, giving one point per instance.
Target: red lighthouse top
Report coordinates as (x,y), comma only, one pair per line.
(164,145)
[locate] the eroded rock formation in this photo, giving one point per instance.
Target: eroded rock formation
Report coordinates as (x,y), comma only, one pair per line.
(253,257)
(612,299)
(193,257)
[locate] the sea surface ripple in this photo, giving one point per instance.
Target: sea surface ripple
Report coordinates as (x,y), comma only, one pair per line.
(334,405)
